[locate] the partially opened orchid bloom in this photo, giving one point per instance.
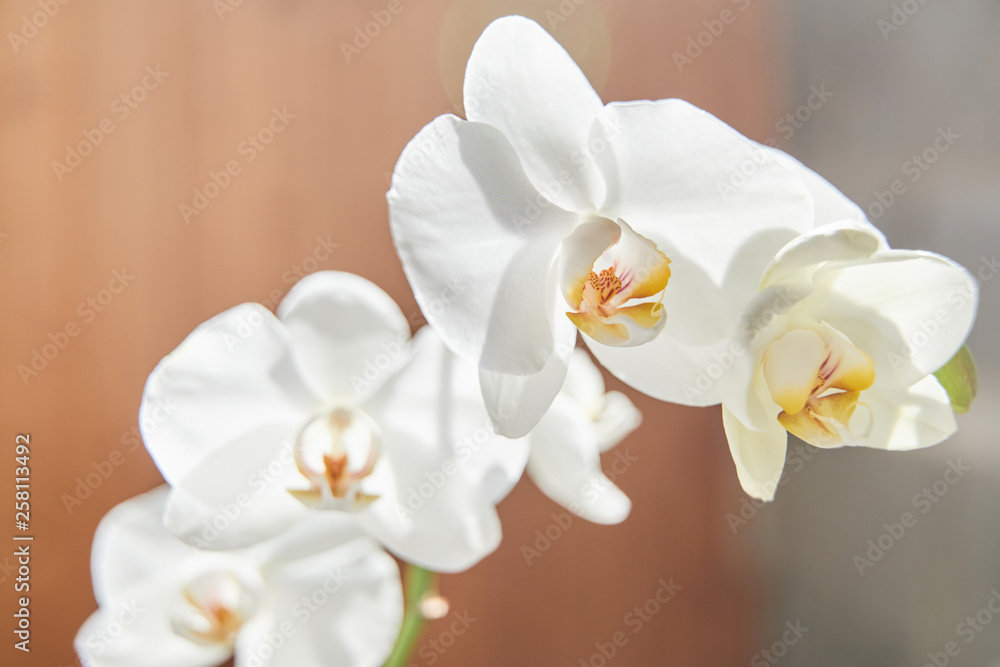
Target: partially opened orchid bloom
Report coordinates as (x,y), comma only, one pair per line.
(839,349)
(583,422)
(547,213)
(299,601)
(328,407)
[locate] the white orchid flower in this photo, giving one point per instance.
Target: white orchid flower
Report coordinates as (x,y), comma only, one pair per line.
(547,213)
(583,421)
(298,601)
(328,407)
(839,349)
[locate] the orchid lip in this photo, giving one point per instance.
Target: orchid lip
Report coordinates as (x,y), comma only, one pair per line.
(217,606)
(614,280)
(816,376)
(335,451)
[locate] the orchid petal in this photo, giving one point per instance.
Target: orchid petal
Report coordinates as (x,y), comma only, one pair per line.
(584,382)
(348,335)
(670,169)
(909,311)
(239,495)
(618,418)
(835,242)
(579,251)
(666,369)
(830,204)
(132,546)
(565,464)
(911,418)
(148,638)
(521,81)
(477,242)
(613,413)
(433,514)
(516,402)
(233,374)
(354,609)
(644,269)
(790,368)
(763,319)
(140,571)
(827,422)
(759,455)
(851,369)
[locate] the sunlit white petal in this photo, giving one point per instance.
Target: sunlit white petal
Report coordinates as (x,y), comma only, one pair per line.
(348,335)
(232,375)
(565,464)
(521,81)
(488,299)
(759,455)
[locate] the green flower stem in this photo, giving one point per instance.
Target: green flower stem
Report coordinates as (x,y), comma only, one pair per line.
(419,582)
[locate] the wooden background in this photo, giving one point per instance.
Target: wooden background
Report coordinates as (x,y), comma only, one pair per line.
(63,235)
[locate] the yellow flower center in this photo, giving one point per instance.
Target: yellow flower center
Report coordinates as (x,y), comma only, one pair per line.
(602,287)
(817,378)
(334,452)
(217,607)
(613,279)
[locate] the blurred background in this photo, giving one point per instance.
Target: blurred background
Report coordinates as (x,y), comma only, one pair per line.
(867,92)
